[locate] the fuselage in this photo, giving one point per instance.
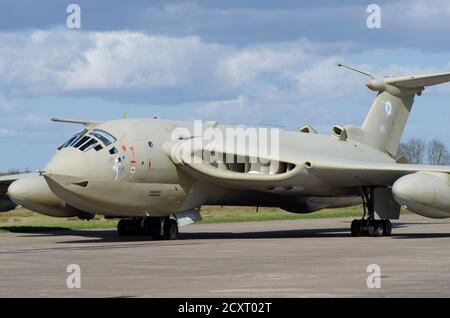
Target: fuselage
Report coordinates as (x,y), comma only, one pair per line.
(132,174)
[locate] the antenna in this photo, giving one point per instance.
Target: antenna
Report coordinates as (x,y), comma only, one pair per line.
(356,70)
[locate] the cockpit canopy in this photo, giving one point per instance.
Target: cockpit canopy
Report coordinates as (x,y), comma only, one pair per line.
(86,140)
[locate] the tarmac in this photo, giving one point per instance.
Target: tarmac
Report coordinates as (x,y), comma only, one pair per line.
(292,258)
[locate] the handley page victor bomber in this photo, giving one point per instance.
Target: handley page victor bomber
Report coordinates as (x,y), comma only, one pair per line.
(156,174)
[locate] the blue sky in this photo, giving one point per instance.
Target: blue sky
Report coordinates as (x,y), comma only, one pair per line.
(251,62)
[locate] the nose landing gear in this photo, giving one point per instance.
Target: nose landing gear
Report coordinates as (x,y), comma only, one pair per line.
(370,226)
(163,228)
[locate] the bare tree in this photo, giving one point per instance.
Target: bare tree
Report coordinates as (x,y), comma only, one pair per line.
(413,150)
(437,152)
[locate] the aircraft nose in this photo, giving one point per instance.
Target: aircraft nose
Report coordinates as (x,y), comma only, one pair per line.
(65,162)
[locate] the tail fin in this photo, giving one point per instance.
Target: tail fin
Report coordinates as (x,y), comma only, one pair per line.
(387,118)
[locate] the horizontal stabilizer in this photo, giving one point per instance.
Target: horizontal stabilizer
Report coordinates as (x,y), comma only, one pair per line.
(418,81)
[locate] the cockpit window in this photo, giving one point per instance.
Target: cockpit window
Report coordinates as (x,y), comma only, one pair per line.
(81,141)
(113,151)
(85,141)
(98,147)
(105,137)
(73,139)
(88,144)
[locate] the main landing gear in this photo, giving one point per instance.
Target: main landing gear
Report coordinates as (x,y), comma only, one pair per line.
(163,228)
(369,226)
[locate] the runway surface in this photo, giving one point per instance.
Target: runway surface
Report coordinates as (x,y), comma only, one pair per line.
(296,258)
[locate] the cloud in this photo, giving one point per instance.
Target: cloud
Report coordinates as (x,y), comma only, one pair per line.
(405,23)
(324,80)
(137,67)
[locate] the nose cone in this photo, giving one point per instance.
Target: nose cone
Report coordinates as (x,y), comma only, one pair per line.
(70,165)
(32,192)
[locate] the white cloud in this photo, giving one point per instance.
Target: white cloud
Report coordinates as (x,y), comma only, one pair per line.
(325,80)
(246,65)
(135,60)
(61,62)
(257,81)
(134,65)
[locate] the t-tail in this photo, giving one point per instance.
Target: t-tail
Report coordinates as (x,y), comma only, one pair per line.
(384,124)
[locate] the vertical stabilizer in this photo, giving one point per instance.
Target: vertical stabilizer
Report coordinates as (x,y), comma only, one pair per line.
(384,124)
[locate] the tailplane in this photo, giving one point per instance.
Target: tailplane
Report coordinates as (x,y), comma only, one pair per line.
(384,124)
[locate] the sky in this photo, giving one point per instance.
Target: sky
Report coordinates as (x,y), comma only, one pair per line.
(239,62)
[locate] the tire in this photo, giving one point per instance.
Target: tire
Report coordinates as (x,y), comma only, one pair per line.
(356,228)
(387,228)
(122,228)
(170,229)
(153,228)
(375,228)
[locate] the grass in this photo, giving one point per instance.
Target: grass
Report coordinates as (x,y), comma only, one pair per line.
(217,214)
(22,220)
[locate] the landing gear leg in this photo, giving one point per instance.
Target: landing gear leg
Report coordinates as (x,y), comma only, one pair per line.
(370,226)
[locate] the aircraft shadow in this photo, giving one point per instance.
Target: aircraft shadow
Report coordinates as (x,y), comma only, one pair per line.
(110,236)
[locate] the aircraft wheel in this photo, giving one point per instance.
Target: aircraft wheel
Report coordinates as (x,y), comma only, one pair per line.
(356,228)
(122,227)
(387,228)
(170,229)
(153,228)
(375,228)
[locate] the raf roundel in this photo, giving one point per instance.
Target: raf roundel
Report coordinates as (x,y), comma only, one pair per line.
(387,108)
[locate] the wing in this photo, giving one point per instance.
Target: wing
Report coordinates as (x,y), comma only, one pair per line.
(357,173)
(320,171)
(8,179)
(244,172)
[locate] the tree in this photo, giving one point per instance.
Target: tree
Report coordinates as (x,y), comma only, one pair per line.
(413,150)
(437,152)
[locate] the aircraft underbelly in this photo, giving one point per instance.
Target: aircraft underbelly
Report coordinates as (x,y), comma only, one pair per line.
(121,199)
